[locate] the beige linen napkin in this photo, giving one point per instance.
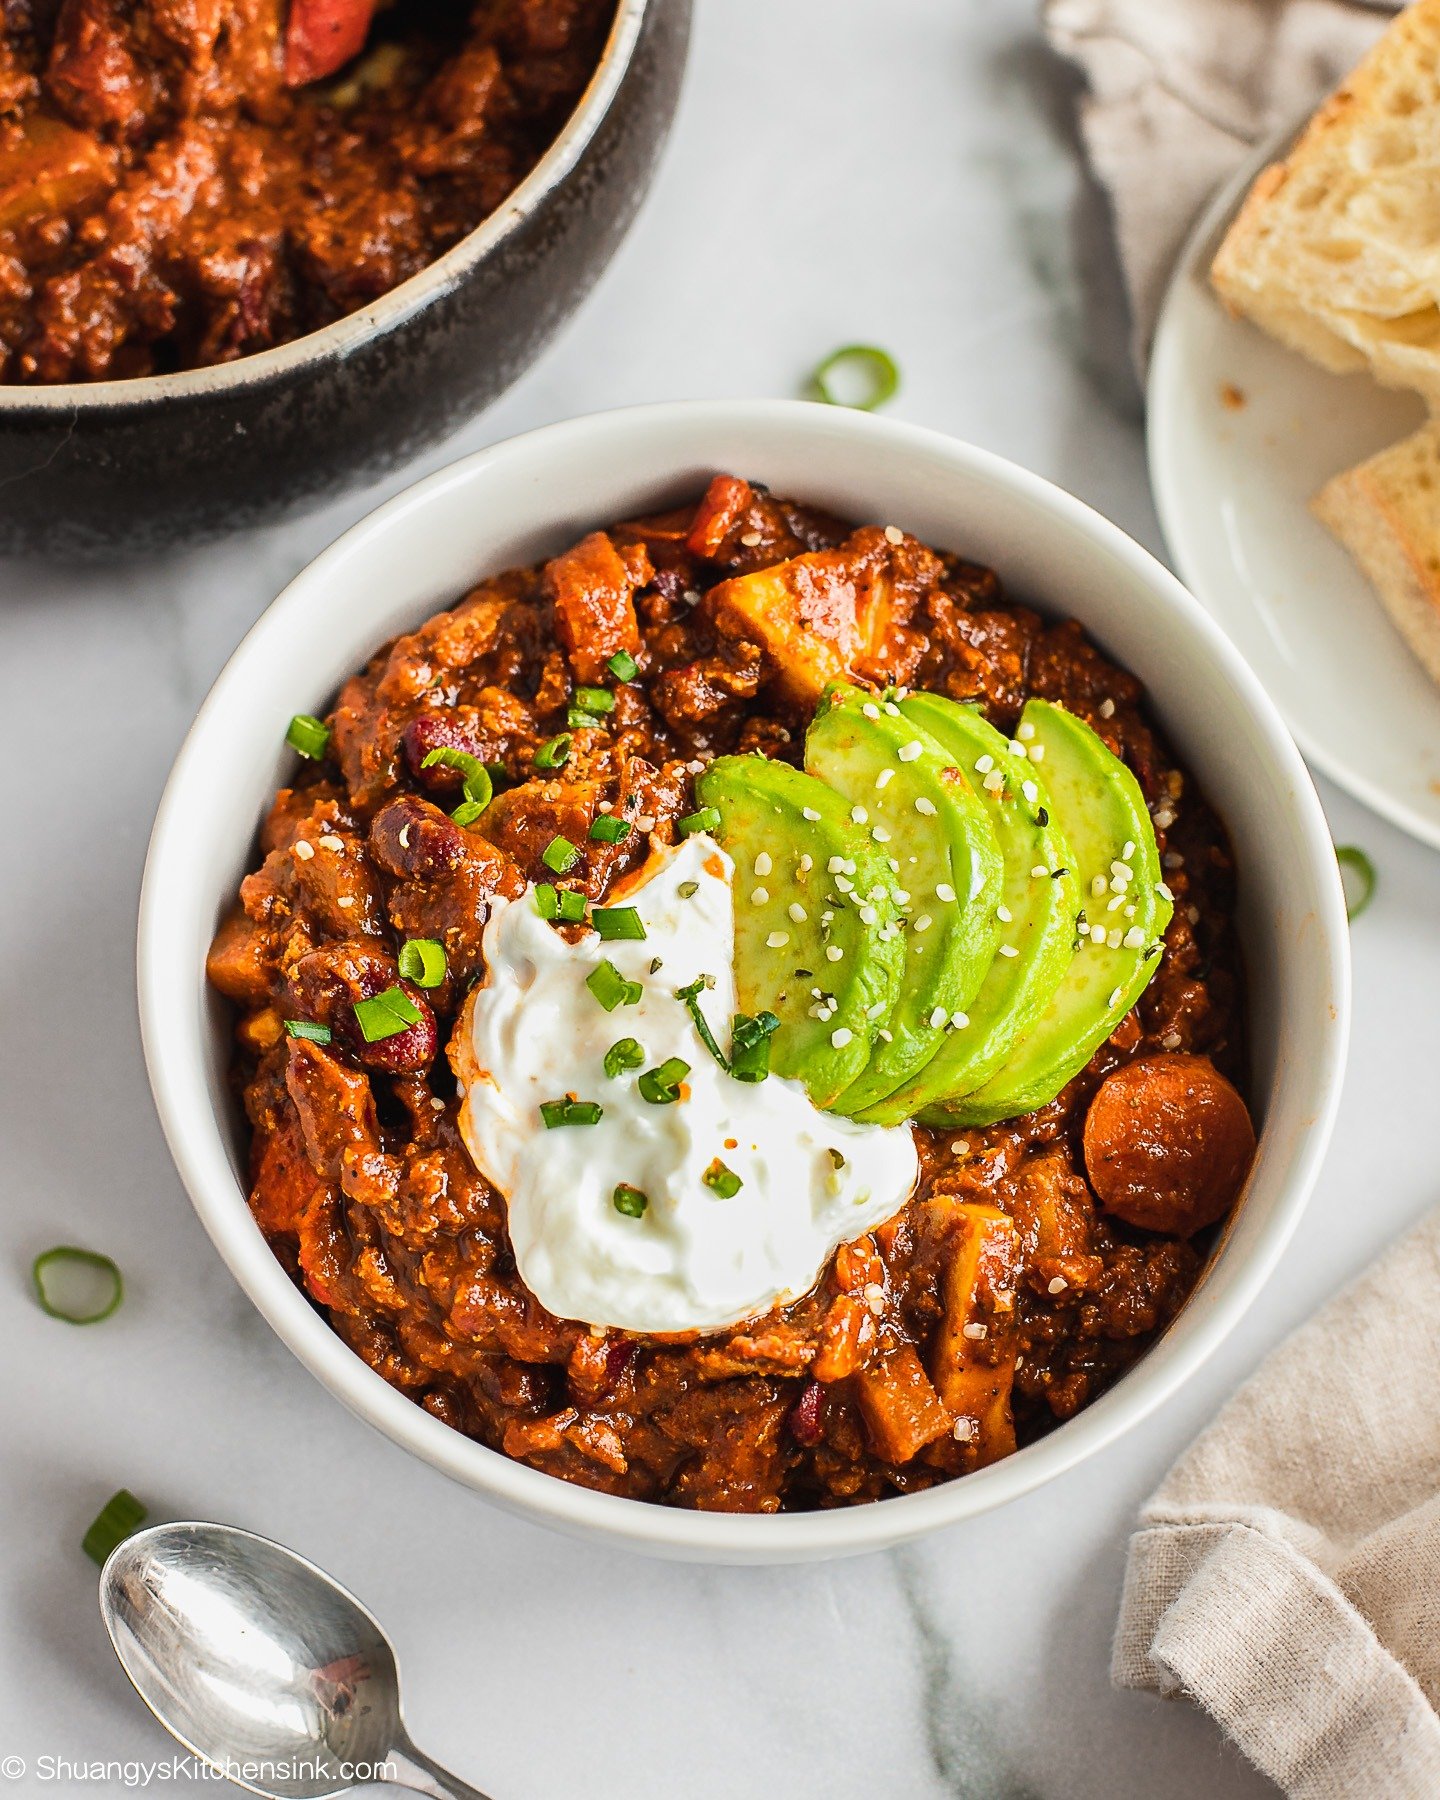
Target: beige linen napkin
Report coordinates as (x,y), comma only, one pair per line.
(1286,1575)
(1176,93)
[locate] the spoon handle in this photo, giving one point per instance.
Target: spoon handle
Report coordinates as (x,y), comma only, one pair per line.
(412,1768)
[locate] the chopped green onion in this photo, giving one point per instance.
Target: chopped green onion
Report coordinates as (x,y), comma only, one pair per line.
(553,752)
(422,960)
(623,666)
(570,1111)
(594,700)
(750,1045)
(608,829)
(622,1056)
(722,1181)
(309,1030)
(746,1032)
(309,735)
(120,1517)
(611,988)
(467,812)
(615,922)
(630,1201)
(661,1086)
(386,1015)
(578,719)
(690,996)
(560,855)
(559,903)
(87,1301)
(479,788)
(687,890)
(1352,857)
(867,364)
(705,820)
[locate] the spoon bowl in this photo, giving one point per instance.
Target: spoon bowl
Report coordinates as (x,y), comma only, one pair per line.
(260,1664)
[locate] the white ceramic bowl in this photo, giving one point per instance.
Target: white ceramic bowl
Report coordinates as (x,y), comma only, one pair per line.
(523,500)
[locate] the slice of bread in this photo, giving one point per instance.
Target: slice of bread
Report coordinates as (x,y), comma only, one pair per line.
(1386,512)
(1336,250)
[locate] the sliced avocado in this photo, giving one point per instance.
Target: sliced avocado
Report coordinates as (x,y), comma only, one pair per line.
(1040,897)
(826,960)
(909,798)
(1102,810)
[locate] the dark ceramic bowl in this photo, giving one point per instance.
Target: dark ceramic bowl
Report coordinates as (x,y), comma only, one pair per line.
(90,468)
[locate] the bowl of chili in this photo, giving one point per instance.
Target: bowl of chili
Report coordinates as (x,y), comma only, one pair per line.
(516,503)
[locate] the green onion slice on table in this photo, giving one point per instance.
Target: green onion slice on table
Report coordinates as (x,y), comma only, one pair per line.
(1353,860)
(865,371)
(82,1287)
(121,1517)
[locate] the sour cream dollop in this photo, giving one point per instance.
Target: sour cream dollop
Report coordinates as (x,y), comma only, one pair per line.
(693,1261)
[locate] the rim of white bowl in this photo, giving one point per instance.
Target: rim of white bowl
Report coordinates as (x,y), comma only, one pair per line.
(392,308)
(171,1000)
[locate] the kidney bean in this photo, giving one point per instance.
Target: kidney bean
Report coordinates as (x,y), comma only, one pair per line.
(410,837)
(409,1050)
(327,983)
(437,730)
(805,1417)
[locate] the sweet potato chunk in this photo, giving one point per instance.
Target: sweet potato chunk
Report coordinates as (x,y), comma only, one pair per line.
(239,959)
(49,167)
(973,1356)
(901,1409)
(594,592)
(283,1183)
(830,613)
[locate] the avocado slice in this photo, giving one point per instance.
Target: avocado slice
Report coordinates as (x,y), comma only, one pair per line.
(831,974)
(1040,895)
(908,796)
(1102,810)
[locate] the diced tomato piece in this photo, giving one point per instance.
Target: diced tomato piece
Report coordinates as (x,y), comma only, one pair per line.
(322,35)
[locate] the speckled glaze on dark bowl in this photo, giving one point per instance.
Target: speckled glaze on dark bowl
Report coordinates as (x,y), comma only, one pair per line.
(88,469)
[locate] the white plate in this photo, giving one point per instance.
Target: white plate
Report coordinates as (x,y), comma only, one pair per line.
(1232,482)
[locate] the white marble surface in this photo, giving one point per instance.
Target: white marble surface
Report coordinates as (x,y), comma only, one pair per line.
(840,170)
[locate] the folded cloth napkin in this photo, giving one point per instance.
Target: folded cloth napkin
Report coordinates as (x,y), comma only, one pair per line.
(1286,1575)
(1177,91)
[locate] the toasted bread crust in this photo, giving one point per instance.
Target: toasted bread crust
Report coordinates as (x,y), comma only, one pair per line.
(1332,252)
(1386,512)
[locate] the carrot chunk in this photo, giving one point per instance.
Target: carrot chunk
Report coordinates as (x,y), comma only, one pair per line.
(1168,1144)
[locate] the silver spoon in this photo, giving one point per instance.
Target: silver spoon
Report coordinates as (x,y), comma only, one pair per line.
(262,1665)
